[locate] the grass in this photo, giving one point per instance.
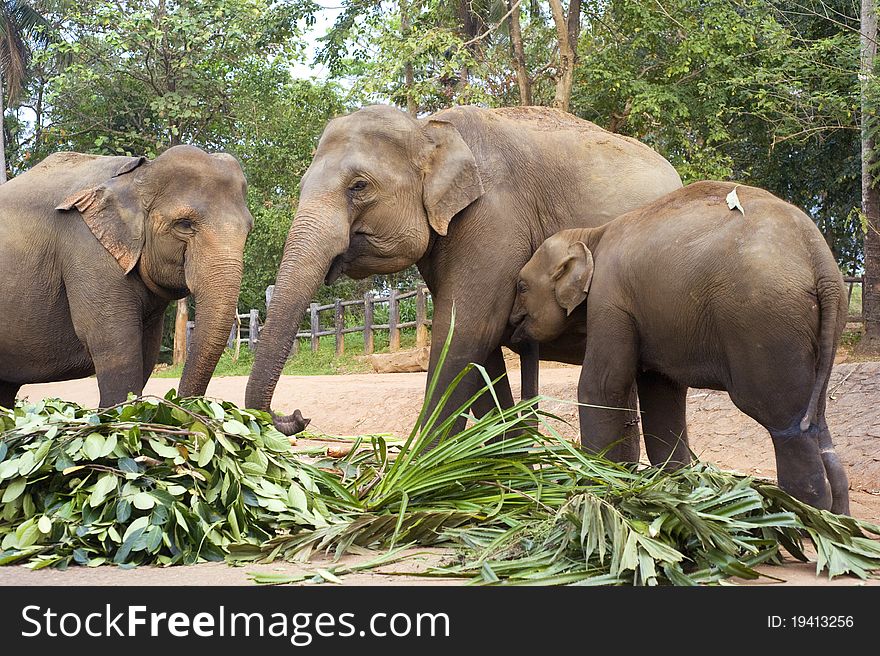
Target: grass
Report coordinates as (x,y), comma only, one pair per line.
(306,363)
(855,301)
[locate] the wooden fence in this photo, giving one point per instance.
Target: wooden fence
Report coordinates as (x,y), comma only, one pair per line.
(850,282)
(249,332)
(247,326)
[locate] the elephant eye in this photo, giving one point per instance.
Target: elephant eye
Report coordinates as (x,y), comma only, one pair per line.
(358,185)
(184,224)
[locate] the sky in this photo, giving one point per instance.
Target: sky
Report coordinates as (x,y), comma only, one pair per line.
(324,21)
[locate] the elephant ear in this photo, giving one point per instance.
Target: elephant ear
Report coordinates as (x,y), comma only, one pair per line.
(452,181)
(573,276)
(114,213)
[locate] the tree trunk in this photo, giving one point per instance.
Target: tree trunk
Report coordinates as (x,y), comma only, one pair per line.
(870,192)
(408,76)
(179,354)
(567,32)
(519,56)
(2,134)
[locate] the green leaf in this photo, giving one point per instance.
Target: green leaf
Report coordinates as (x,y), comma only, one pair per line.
(14,490)
(128,465)
(45,524)
(102,488)
(8,469)
(139,524)
(109,445)
(143,501)
(163,449)
(296,497)
(217,411)
(235,427)
(123,511)
(206,452)
(93,446)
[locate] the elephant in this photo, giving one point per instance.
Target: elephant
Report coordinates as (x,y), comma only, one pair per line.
(687,292)
(92,250)
(466,195)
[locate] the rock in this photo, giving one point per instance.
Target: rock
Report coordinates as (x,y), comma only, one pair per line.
(401,361)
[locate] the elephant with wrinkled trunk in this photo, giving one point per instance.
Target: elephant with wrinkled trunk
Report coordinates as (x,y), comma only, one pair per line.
(687,292)
(467,195)
(93,249)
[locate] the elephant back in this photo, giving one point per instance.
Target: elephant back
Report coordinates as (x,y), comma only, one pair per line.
(60,175)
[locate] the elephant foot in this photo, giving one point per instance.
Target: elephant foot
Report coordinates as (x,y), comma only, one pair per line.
(291,424)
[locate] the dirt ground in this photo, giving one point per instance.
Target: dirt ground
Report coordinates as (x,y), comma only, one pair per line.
(389,404)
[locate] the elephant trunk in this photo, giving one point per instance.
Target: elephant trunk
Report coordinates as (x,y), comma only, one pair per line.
(215,289)
(314,242)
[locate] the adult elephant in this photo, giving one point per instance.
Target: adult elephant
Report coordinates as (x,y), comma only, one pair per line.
(93,249)
(468,195)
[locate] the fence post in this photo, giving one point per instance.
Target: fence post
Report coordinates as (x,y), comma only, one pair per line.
(270,290)
(338,321)
(393,320)
(190,325)
(316,326)
(421,316)
(254,329)
(233,334)
(368,323)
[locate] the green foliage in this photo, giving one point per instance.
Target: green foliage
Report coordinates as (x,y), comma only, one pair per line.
(751,90)
(180,481)
(372,43)
(162,481)
(144,75)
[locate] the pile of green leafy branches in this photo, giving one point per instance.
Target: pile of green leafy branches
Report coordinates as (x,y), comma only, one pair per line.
(152,480)
(533,509)
(169,481)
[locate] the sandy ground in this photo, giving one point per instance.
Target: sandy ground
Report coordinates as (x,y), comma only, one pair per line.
(389,403)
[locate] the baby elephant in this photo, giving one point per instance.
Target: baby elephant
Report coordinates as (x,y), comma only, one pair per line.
(685,292)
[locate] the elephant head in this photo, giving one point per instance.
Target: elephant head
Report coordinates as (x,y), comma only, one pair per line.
(179,223)
(551,285)
(382,185)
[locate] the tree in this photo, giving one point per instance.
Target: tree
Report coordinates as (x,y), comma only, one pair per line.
(870,191)
(147,75)
(523,81)
(20,24)
(568,29)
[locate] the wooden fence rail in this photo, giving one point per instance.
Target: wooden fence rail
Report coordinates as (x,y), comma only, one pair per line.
(250,333)
(246,328)
(368,303)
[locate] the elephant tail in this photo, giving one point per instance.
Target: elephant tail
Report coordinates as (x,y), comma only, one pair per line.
(832,319)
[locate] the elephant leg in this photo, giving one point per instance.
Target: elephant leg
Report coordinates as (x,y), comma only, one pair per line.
(834,471)
(799,466)
(496,369)
(662,405)
(529,358)
(7,394)
(152,342)
(607,388)
(471,342)
(119,363)
(630,447)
